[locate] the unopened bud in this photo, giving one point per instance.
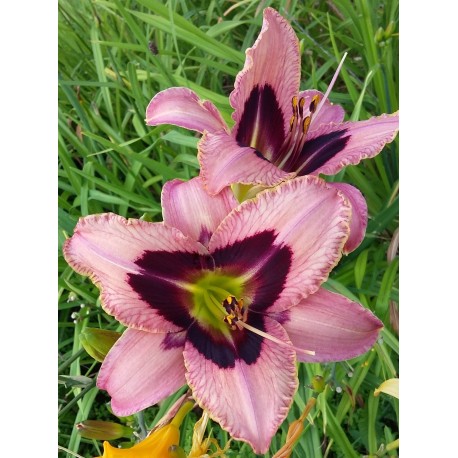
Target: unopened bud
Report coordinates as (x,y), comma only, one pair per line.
(98,342)
(103,430)
(390,29)
(394,245)
(394,316)
(318,383)
(294,431)
(379,35)
(146,217)
(176,452)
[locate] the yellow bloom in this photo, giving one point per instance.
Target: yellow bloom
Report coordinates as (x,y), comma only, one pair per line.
(157,444)
(390,387)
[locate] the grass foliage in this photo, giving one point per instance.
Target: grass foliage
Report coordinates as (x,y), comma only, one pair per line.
(113,57)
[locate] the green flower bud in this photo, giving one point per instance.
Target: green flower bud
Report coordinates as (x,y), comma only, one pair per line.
(318,383)
(98,342)
(379,35)
(390,29)
(103,430)
(176,452)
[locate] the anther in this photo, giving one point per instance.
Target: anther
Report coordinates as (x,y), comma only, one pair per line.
(314,103)
(306,124)
(294,104)
(236,312)
(301,106)
(291,123)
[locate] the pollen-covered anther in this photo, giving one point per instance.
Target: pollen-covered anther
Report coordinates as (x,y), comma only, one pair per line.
(301,106)
(236,312)
(298,128)
(314,103)
(294,105)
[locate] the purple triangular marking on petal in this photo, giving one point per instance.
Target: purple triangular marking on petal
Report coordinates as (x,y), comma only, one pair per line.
(261,124)
(317,151)
(157,283)
(268,264)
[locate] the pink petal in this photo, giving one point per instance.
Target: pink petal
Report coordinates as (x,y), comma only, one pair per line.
(307,217)
(224,162)
(331,325)
(104,247)
(358,215)
(142,369)
(273,60)
(182,107)
(367,139)
(328,113)
(250,401)
(189,208)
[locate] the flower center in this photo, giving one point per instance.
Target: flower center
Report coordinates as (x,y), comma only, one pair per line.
(215,305)
(214,302)
(298,127)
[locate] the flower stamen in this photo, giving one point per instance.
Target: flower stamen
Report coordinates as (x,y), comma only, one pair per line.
(298,127)
(236,318)
(236,312)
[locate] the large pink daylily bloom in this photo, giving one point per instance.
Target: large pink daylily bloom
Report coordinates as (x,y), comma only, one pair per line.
(279,132)
(225,297)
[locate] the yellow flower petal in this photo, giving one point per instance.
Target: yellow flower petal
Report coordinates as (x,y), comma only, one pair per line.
(157,444)
(154,446)
(390,386)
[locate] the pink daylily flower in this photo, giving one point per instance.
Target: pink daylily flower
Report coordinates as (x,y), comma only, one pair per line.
(225,297)
(280,132)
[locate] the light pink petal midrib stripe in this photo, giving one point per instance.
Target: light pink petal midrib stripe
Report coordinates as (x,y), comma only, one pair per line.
(128,266)
(299,220)
(354,331)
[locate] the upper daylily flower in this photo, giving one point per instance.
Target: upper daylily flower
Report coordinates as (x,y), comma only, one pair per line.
(223,297)
(279,132)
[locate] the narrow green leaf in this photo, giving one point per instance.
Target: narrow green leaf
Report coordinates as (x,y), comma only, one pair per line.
(335,431)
